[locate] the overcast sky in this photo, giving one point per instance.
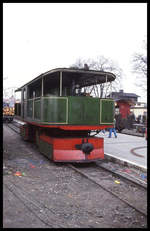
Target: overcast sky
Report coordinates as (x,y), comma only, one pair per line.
(38,37)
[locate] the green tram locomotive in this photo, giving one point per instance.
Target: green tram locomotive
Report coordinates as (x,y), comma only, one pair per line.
(59,115)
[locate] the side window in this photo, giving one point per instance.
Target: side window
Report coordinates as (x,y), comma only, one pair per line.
(24,94)
(33,94)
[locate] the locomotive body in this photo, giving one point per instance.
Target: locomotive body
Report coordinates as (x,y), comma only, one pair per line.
(60,116)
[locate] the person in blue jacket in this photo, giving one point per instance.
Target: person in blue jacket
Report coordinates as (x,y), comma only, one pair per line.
(112,130)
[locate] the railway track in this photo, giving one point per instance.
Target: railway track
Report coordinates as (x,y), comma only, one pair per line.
(100,177)
(45,214)
(130,178)
(14,126)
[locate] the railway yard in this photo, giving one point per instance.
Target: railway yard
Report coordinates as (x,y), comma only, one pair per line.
(38,193)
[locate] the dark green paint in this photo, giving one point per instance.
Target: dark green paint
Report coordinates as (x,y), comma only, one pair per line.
(30,108)
(23,132)
(78,110)
(54,110)
(46,149)
(83,110)
(37,109)
(107,109)
(37,138)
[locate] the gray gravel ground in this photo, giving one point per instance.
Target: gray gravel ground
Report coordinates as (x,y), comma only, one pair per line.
(53,195)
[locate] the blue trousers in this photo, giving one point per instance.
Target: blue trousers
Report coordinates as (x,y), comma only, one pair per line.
(112,130)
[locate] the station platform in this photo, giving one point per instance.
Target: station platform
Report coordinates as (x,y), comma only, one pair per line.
(126,149)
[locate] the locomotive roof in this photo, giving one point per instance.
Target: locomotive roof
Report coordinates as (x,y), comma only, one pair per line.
(81,76)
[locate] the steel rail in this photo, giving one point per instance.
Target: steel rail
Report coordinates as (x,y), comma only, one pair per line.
(114,194)
(13,128)
(111,192)
(39,209)
(135,181)
(22,199)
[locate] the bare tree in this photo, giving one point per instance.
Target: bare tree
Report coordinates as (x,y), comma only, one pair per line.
(139,67)
(79,64)
(8,92)
(102,64)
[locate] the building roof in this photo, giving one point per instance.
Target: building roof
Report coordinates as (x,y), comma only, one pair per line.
(122,94)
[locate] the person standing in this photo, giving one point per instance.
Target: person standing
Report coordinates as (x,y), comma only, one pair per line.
(113,130)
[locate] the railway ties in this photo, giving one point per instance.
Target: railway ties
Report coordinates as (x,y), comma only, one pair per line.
(101,178)
(41,211)
(14,126)
(124,176)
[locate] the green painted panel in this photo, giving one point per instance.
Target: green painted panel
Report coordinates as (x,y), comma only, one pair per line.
(29,108)
(107,111)
(55,110)
(84,110)
(23,132)
(46,149)
(37,138)
(37,109)
(25,108)
(73,110)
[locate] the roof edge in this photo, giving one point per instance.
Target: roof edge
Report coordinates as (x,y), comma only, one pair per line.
(67,70)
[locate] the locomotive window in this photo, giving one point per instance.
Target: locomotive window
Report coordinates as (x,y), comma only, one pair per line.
(51,85)
(24,94)
(79,84)
(35,89)
(33,94)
